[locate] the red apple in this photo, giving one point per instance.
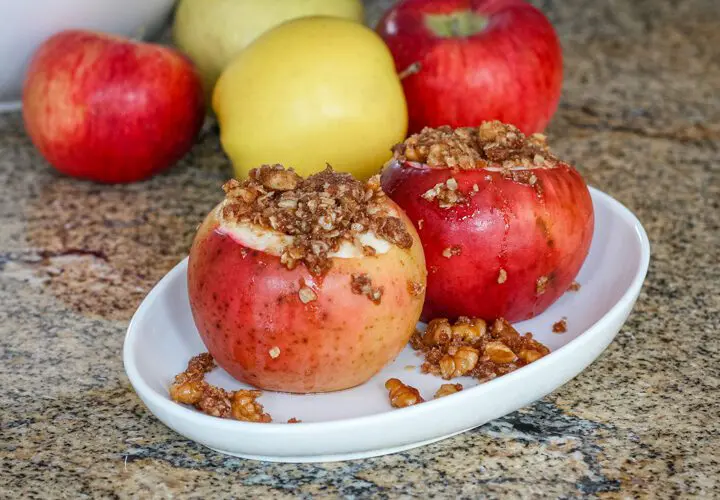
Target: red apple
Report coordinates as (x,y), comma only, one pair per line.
(110,109)
(502,238)
(465,62)
(292,329)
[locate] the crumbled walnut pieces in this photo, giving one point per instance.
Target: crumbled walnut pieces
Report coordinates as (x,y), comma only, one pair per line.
(246,408)
(493,143)
(541,285)
(190,387)
(402,395)
(452,251)
(574,286)
(294,420)
(469,348)
(361,284)
(318,213)
(447,389)
(446,194)
(560,326)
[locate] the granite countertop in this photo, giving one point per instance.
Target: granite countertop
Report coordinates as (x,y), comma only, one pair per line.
(640,117)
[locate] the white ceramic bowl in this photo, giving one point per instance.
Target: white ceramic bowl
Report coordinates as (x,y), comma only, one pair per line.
(24,24)
(359,422)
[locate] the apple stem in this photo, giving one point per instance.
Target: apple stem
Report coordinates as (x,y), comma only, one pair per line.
(410,70)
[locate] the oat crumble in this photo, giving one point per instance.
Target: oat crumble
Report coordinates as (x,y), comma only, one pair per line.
(361,284)
(574,286)
(491,144)
(560,326)
(319,212)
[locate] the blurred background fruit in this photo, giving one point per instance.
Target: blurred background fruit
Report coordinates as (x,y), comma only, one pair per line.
(311,91)
(24,25)
(109,109)
(467,62)
(212,32)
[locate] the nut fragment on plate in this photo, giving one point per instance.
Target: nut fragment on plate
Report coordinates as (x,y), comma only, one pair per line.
(402,395)
(190,387)
(447,389)
(574,286)
(469,348)
(560,326)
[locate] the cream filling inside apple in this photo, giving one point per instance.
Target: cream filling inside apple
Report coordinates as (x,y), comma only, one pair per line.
(274,242)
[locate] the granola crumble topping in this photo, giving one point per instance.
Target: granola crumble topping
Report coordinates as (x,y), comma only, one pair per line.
(452,251)
(415,288)
(190,387)
(574,286)
(361,284)
(402,395)
(316,214)
(492,144)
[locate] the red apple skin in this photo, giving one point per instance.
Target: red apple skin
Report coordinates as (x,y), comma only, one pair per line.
(508,225)
(245,303)
(109,109)
(510,71)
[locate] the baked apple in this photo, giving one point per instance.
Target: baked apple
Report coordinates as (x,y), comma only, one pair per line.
(505,224)
(305,285)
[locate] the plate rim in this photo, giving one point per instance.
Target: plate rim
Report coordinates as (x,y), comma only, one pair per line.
(144,390)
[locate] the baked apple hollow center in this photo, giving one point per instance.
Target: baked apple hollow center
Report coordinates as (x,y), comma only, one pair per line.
(327,215)
(493,146)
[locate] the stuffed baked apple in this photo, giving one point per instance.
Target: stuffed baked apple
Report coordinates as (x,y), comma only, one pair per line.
(305,285)
(505,224)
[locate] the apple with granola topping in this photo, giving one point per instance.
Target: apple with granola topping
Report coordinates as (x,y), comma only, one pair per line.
(305,285)
(505,225)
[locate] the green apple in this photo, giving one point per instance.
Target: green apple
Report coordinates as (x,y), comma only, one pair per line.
(212,32)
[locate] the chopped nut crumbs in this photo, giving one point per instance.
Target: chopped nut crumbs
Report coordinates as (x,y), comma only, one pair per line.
(306,295)
(190,387)
(502,276)
(541,285)
(574,286)
(294,421)
(402,395)
(469,348)
(560,326)
(491,144)
(447,389)
(452,251)
(361,284)
(446,194)
(415,288)
(319,212)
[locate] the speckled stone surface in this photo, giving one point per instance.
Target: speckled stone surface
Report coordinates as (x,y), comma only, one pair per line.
(640,117)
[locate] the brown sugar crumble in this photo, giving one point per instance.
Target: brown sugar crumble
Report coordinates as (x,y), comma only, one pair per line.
(361,284)
(319,213)
(491,144)
(560,326)
(294,421)
(470,347)
(190,388)
(402,395)
(574,286)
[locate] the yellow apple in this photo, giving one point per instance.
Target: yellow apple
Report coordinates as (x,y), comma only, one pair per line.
(312,91)
(212,32)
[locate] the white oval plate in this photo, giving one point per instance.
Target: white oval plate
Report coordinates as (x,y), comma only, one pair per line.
(360,422)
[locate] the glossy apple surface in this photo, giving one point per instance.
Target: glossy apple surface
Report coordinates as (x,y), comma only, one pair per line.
(475,61)
(249,313)
(109,109)
(510,252)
